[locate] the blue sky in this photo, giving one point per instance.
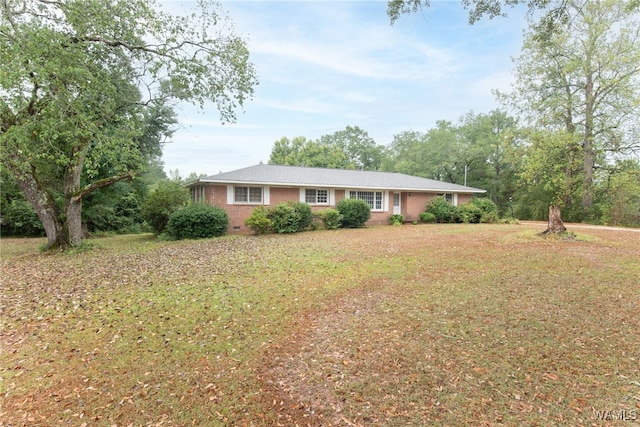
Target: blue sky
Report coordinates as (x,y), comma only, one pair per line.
(325,65)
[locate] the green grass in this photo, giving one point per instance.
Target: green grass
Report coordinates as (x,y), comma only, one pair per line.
(411,325)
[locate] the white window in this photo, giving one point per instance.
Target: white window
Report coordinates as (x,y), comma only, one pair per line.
(451,198)
(373,198)
(247,194)
(197,194)
(316,197)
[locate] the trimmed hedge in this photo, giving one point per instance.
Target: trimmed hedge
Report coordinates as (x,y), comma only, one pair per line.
(443,211)
(197,221)
(330,218)
(355,213)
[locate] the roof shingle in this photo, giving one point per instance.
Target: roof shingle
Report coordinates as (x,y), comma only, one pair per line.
(277,175)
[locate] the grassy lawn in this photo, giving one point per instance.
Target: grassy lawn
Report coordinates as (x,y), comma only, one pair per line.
(395,326)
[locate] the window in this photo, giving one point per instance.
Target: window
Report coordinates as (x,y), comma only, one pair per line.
(373,198)
(197,194)
(451,198)
(247,194)
(316,197)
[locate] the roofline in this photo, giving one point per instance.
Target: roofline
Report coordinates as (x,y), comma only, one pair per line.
(342,187)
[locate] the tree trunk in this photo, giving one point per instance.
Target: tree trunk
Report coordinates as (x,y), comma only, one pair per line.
(555,224)
(45,207)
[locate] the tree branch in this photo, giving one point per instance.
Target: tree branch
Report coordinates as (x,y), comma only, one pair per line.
(101,183)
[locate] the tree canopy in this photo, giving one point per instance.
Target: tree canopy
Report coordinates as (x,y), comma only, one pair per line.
(351,148)
(583,81)
(79,81)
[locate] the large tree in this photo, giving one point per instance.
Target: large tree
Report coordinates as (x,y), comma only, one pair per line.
(584,81)
(75,78)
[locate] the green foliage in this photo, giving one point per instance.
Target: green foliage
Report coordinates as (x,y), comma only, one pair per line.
(621,198)
(72,116)
(469,213)
(330,218)
(167,198)
(488,208)
(485,204)
(351,148)
(19,219)
(259,221)
(116,208)
(354,212)
(290,217)
(442,210)
(396,219)
(427,217)
(197,221)
(490,218)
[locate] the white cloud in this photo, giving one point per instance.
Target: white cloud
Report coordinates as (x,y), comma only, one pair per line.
(325,65)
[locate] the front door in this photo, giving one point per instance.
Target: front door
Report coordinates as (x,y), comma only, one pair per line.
(396,204)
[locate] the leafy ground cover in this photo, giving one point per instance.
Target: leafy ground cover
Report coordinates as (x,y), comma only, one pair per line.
(412,325)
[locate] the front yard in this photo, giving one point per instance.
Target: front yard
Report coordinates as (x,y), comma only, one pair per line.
(411,325)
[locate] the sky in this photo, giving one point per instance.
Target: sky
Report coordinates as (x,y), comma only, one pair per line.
(326,65)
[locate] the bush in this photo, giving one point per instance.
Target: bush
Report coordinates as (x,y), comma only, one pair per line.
(485,204)
(20,219)
(354,212)
(469,213)
(259,222)
(396,219)
(490,218)
(290,217)
(427,218)
(197,221)
(443,211)
(489,209)
(330,218)
(162,202)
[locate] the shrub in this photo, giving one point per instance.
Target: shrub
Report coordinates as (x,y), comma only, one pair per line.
(427,217)
(305,215)
(443,210)
(330,218)
(354,212)
(469,213)
(490,218)
(259,222)
(162,202)
(489,209)
(20,219)
(197,221)
(290,217)
(485,204)
(396,219)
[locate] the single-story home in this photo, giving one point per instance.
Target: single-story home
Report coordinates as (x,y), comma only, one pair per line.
(240,191)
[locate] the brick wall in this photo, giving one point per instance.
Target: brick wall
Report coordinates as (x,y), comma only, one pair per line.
(411,203)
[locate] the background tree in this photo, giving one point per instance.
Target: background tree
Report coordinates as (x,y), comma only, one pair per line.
(361,150)
(69,76)
(301,151)
(584,80)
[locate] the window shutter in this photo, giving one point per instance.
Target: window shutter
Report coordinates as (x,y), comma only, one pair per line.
(332,197)
(229,194)
(455,199)
(385,201)
(303,198)
(266,196)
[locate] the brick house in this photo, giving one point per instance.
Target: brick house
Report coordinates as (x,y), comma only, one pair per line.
(238,192)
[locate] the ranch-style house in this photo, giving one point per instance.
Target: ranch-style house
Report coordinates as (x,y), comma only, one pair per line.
(240,191)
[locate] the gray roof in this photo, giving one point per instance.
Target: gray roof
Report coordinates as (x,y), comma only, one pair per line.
(296,176)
